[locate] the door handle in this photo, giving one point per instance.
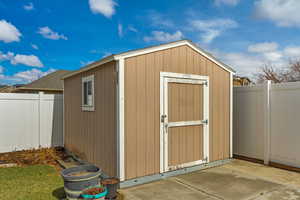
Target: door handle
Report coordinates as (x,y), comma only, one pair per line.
(166,128)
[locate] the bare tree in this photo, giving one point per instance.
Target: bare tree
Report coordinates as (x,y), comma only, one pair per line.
(289,74)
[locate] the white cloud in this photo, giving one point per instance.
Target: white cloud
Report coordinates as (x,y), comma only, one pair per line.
(159,20)
(31,75)
(34,46)
(132,28)
(244,64)
(263,47)
(258,55)
(8,32)
(120,30)
(27,76)
(105,54)
(292,52)
(161,36)
(273,56)
(84,63)
(210,29)
(284,13)
(227,2)
(28,60)
(46,32)
(104,7)
(7,56)
(29,6)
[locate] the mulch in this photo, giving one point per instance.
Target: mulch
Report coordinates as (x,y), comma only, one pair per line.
(43,156)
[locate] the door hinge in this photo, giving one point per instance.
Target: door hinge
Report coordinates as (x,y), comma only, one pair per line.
(205,121)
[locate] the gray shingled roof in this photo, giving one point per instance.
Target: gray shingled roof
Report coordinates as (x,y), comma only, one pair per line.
(52,81)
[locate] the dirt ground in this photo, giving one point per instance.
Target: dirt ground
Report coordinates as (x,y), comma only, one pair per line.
(237,180)
(45,156)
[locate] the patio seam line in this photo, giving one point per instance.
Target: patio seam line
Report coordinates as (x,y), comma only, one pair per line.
(197,189)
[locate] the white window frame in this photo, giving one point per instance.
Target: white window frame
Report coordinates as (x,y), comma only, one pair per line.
(83,106)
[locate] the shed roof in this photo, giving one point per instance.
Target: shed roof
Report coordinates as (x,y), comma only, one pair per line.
(150,49)
(52,81)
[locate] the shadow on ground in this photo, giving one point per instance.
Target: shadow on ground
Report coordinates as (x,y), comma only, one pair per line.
(59,193)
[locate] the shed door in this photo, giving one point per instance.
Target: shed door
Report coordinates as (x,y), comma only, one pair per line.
(184,120)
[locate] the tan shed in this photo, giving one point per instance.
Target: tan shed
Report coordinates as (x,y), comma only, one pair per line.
(150,113)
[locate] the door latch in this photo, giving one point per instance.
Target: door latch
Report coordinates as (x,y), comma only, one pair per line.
(162,119)
(205,121)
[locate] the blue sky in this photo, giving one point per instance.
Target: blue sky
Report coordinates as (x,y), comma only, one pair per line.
(38,37)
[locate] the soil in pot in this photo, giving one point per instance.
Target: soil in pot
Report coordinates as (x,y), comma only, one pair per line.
(93,191)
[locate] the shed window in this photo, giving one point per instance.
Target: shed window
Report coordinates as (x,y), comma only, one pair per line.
(88,93)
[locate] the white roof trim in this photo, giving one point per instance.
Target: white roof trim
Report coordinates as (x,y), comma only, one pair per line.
(150,50)
(172,45)
(91,66)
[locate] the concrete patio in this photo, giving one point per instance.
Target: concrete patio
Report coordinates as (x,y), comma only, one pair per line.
(237,180)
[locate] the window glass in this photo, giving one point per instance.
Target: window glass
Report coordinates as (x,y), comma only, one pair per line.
(85,99)
(88,93)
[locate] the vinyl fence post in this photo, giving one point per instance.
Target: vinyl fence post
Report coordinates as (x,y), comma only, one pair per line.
(40,116)
(267,122)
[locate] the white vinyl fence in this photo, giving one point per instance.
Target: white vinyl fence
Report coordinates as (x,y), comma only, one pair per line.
(30,121)
(267,122)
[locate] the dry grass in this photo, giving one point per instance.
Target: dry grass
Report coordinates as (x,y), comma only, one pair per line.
(45,156)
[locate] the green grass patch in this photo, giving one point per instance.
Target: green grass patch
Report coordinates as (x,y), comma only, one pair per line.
(32,182)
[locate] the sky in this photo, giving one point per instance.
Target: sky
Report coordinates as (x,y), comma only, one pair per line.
(39,37)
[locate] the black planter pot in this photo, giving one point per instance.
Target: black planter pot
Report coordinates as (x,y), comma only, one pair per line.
(112,186)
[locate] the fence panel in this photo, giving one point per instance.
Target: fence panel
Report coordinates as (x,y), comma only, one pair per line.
(269,134)
(30,121)
(248,118)
(285,124)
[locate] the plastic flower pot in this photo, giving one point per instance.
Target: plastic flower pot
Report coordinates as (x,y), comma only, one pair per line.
(92,193)
(77,179)
(112,185)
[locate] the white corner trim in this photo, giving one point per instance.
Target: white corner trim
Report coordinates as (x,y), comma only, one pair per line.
(121,116)
(161,135)
(206,116)
(231,116)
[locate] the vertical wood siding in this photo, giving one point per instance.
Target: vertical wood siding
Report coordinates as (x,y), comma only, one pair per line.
(142,103)
(92,135)
(185,103)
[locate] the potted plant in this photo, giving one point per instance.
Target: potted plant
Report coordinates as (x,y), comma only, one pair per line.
(95,193)
(112,185)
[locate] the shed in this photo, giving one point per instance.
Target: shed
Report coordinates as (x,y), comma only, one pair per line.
(150,113)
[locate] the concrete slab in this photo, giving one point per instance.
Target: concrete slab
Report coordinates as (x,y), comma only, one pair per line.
(226,184)
(238,180)
(164,189)
(265,172)
(284,193)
